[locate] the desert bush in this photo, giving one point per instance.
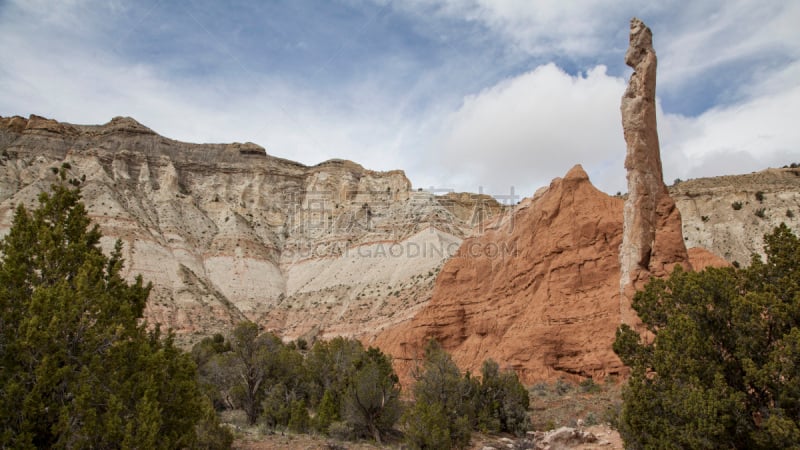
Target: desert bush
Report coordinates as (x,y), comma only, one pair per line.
(453,405)
(427,427)
(760,213)
(327,412)
(502,401)
(562,387)
(589,386)
(371,402)
(737,205)
(299,419)
(278,384)
(760,196)
(341,431)
(540,389)
(442,396)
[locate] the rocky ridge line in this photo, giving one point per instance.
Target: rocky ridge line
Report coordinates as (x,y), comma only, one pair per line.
(227,231)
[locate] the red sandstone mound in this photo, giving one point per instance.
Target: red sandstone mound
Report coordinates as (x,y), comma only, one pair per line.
(539,293)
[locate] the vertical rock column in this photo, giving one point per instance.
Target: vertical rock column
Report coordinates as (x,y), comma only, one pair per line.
(652,240)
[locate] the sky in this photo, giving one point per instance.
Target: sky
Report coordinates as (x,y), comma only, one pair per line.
(465,95)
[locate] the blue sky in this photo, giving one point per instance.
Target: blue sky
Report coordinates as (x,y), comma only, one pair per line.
(461,94)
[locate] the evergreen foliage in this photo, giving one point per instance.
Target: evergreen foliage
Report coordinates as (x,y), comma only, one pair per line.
(327,411)
(721,368)
(78,367)
(345,385)
(426,427)
(448,405)
(298,416)
(440,383)
(371,400)
(502,401)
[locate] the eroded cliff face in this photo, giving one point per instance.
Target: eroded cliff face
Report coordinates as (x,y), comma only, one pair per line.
(729,215)
(537,292)
(226,232)
(652,242)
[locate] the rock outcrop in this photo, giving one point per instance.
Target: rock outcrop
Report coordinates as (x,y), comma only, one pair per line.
(729,215)
(652,242)
(538,291)
(551,306)
(227,232)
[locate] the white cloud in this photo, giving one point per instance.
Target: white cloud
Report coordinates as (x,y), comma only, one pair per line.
(733,33)
(64,76)
(521,131)
(544,27)
(526,130)
(748,136)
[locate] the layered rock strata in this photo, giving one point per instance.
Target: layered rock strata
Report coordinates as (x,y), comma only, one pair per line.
(729,215)
(227,232)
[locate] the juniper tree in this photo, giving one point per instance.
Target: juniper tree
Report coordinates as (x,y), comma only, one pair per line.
(77,366)
(371,399)
(723,366)
(442,396)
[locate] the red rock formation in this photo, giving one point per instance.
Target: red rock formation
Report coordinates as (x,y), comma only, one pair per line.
(538,292)
(652,241)
(551,305)
(701,258)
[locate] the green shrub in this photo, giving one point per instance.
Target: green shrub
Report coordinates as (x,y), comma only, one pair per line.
(719,369)
(502,401)
(341,431)
(589,386)
(298,417)
(79,367)
(440,387)
(327,412)
(760,213)
(760,196)
(371,402)
(427,427)
(540,389)
(737,205)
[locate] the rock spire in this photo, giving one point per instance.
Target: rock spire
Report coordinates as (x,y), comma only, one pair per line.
(652,241)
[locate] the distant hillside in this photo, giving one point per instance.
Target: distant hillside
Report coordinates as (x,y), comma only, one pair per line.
(729,215)
(227,232)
